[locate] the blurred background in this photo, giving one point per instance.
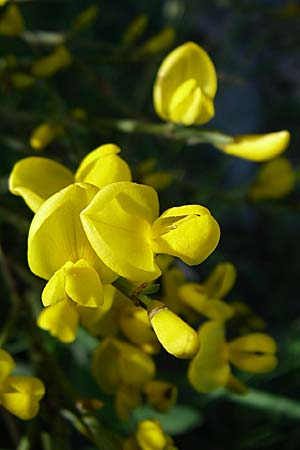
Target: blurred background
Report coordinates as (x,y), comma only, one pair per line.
(255,46)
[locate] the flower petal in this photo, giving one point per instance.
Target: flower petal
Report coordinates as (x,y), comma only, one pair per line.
(258,147)
(61,320)
(210,370)
(7,365)
(117,224)
(103,166)
(189,232)
(36,179)
(56,235)
(83,284)
(21,405)
(221,280)
(27,385)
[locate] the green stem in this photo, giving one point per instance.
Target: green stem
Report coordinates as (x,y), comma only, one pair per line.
(133,292)
(170,131)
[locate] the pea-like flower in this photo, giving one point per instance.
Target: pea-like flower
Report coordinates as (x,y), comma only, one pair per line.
(210,369)
(123,227)
(150,436)
(36,179)
(206,298)
(160,395)
(20,395)
(11,21)
(43,135)
(257,147)
(59,251)
(58,59)
(275,179)
(185,86)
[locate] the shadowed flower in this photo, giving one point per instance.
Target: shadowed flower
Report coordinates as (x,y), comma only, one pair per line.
(185,86)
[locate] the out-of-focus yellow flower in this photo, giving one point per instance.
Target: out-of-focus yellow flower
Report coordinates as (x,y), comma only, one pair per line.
(36,179)
(11,21)
(127,399)
(43,135)
(158,180)
(20,395)
(59,251)
(135,325)
(135,29)
(159,42)
(85,18)
(175,335)
(150,436)
(2,2)
(206,298)
(161,395)
(210,369)
(117,363)
(258,147)
(185,86)
(124,229)
(275,179)
(21,80)
(172,279)
(47,66)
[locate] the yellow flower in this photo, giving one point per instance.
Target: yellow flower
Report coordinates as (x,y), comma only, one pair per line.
(175,335)
(43,135)
(11,21)
(20,395)
(160,395)
(206,298)
(21,80)
(135,29)
(123,227)
(185,86)
(258,147)
(59,251)
(210,369)
(117,363)
(47,66)
(158,180)
(36,179)
(150,436)
(275,179)
(127,399)
(159,42)
(85,18)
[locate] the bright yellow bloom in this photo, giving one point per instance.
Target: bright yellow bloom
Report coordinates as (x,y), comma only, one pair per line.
(117,363)
(150,436)
(59,251)
(11,21)
(124,229)
(2,2)
(275,179)
(175,335)
(47,66)
(36,179)
(258,147)
(20,395)
(160,395)
(185,86)
(210,369)
(43,135)
(206,298)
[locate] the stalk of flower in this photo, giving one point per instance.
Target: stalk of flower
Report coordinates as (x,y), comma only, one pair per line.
(210,369)
(35,179)
(59,251)
(20,395)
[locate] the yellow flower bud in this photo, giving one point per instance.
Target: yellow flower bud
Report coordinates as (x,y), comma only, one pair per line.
(159,42)
(185,86)
(11,21)
(43,135)
(85,18)
(175,335)
(21,80)
(161,395)
(150,435)
(221,280)
(47,66)
(258,147)
(135,29)
(275,179)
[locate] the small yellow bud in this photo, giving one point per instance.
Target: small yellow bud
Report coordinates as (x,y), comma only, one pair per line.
(161,41)
(85,18)
(11,21)
(21,80)
(43,135)
(175,335)
(135,29)
(150,435)
(185,86)
(258,147)
(59,59)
